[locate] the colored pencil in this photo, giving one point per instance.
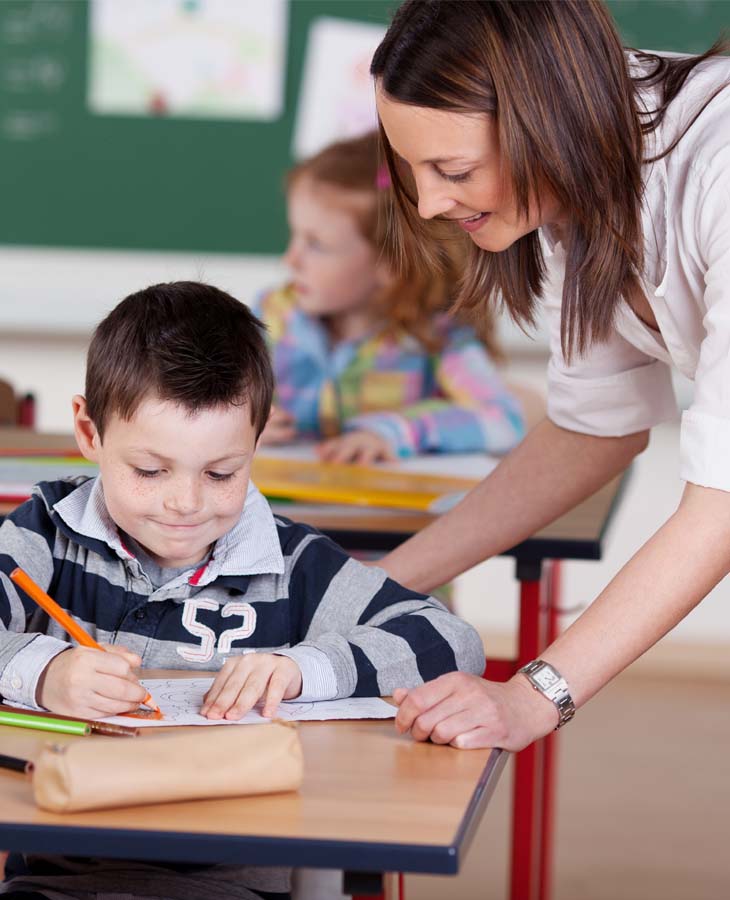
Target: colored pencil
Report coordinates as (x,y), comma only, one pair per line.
(96,727)
(37,594)
(41,723)
(17,765)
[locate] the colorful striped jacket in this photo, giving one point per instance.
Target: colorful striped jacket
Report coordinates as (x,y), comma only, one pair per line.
(452,401)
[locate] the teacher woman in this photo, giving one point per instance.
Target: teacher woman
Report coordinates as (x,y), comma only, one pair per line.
(595,181)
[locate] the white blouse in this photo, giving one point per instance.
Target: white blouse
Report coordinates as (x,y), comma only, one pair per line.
(624,385)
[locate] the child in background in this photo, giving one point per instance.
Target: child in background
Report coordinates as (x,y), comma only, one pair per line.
(364,358)
(173,559)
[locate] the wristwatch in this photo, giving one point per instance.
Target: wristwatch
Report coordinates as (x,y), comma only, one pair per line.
(551,684)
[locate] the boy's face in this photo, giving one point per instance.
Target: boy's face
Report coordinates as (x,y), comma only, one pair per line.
(173,481)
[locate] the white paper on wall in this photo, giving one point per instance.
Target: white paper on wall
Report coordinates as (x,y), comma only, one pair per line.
(336,95)
(200,59)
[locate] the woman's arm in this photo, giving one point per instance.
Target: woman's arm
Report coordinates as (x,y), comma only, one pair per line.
(550,472)
(654,591)
(666,579)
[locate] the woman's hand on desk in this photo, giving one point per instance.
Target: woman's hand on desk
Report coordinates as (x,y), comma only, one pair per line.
(91,683)
(468,712)
(363,447)
(244,680)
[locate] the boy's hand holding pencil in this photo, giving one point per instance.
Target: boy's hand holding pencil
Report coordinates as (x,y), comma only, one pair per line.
(85,676)
(91,683)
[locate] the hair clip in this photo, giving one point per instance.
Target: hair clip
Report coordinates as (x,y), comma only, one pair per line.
(382,178)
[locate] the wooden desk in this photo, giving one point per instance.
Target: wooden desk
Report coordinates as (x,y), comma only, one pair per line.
(371,801)
(578,534)
(14,438)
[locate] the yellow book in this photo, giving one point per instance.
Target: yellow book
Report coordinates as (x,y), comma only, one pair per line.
(359,485)
(277,478)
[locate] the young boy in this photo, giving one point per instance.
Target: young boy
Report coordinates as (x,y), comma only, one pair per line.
(173,559)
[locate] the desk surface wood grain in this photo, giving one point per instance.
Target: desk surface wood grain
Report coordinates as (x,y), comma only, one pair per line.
(371,799)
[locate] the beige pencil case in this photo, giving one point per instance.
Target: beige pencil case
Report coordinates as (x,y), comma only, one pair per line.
(231,761)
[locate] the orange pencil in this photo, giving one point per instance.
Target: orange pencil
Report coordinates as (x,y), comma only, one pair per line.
(36,593)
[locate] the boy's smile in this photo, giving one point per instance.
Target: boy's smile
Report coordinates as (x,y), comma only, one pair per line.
(173,481)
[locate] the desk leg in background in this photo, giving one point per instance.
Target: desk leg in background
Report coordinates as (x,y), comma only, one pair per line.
(532,802)
(550,761)
(369,885)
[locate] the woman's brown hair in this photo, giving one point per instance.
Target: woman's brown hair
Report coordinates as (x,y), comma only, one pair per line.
(569,118)
(416,295)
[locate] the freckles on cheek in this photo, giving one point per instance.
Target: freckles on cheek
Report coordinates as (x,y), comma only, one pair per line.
(230,500)
(133,494)
(137,487)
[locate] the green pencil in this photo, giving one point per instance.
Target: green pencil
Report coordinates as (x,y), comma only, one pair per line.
(60,726)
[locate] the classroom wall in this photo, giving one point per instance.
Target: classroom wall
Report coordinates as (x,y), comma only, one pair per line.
(104,148)
(51,299)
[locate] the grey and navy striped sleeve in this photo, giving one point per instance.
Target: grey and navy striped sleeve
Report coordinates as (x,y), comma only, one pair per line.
(27,539)
(375,634)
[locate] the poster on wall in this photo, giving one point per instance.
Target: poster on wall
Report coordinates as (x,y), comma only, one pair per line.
(187,58)
(336,97)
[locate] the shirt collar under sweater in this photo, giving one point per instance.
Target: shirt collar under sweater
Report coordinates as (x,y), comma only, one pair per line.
(251,547)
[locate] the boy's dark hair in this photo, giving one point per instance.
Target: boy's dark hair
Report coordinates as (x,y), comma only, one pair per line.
(184,341)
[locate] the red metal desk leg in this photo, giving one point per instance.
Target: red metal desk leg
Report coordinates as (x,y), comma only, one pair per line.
(527,805)
(550,746)
(534,778)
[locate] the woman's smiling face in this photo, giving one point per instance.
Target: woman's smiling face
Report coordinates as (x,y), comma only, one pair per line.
(457,167)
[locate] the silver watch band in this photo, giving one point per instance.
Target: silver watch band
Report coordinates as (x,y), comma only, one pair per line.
(551,684)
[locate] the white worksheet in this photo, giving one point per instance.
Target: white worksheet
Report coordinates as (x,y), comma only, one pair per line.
(181,698)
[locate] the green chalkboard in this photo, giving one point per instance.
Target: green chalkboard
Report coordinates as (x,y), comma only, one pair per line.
(70,178)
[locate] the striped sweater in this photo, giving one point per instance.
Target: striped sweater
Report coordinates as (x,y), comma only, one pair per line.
(452,401)
(269,585)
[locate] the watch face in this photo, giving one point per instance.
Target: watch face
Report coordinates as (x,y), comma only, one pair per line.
(546,678)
